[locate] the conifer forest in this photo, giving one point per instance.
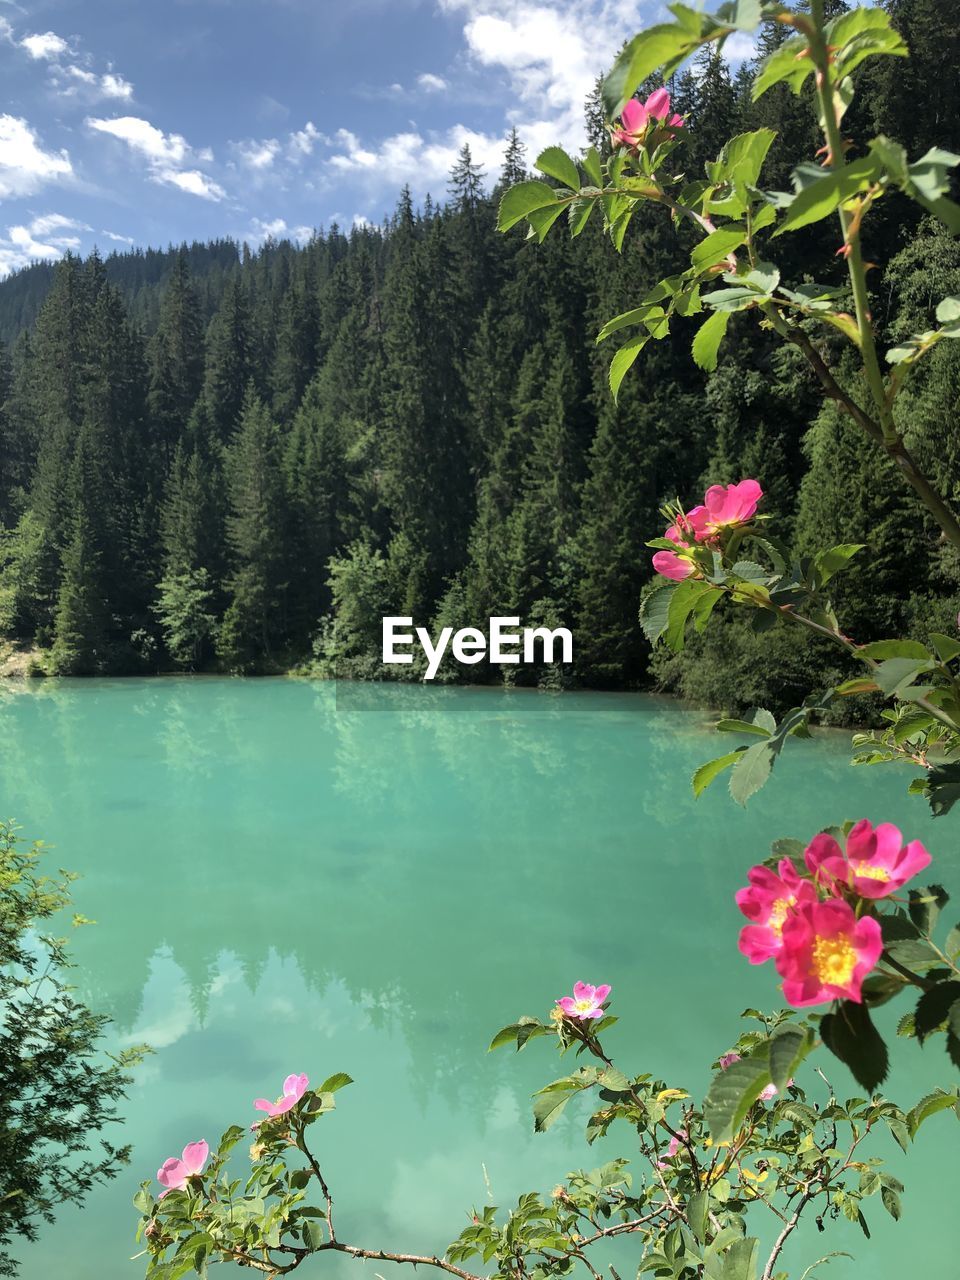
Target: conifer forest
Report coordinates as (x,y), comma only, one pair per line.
(218,458)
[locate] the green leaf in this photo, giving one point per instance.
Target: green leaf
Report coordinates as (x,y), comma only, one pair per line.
(522,200)
(592,165)
(707,342)
(931,1105)
(850,1035)
(339,1080)
(312,1233)
(933,1008)
(740,1260)
(946,647)
(882,649)
(732,1093)
(712,769)
(717,246)
(784,64)
(925,906)
(555,163)
(742,158)
(541,220)
(943,787)
(688,596)
(698,1211)
(626,318)
(893,675)
(623,360)
(655,609)
(789,1045)
(820,192)
(751,772)
(837,558)
(520,1032)
(743,726)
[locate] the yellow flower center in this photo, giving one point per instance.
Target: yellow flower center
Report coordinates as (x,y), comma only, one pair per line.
(584,1005)
(778,913)
(834,960)
(869,872)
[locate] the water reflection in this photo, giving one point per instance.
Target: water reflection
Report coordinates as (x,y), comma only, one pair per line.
(288,879)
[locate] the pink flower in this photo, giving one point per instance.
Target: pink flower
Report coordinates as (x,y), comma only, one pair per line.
(636,117)
(294,1087)
(725,505)
(827,952)
(674,1146)
(876,864)
(658,108)
(767,902)
(174,1173)
(585,1003)
(669,565)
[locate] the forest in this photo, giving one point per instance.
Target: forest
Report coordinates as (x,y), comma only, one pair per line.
(218,458)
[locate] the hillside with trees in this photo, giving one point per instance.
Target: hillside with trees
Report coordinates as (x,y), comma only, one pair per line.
(218,458)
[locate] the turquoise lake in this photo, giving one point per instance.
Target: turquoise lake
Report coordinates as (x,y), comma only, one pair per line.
(288,878)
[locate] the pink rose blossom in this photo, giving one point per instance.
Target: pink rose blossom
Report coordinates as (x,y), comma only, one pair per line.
(726,505)
(876,864)
(636,117)
(676,1141)
(294,1087)
(767,902)
(669,565)
(174,1174)
(827,952)
(585,1003)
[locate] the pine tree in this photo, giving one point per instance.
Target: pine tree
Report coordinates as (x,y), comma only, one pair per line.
(253,620)
(176,359)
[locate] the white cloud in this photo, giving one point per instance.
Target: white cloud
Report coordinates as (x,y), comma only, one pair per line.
(40,240)
(547,60)
(114,86)
(276,229)
(144,137)
(49,222)
(410,157)
(115,235)
(302,141)
(24,165)
(166,154)
(431,83)
(48,45)
(192,181)
(258,155)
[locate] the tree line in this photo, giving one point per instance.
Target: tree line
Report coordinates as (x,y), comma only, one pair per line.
(213,458)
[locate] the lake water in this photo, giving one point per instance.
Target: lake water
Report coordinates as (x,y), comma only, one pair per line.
(289,880)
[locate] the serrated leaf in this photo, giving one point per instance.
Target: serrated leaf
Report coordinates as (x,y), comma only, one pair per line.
(732,1093)
(751,772)
(655,610)
(711,770)
(789,1045)
(555,163)
(706,344)
(933,1008)
(522,200)
(623,360)
(850,1035)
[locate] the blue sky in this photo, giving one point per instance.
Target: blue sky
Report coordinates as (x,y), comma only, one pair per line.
(145,122)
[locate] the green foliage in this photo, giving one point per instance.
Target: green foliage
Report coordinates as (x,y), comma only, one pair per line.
(60,1089)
